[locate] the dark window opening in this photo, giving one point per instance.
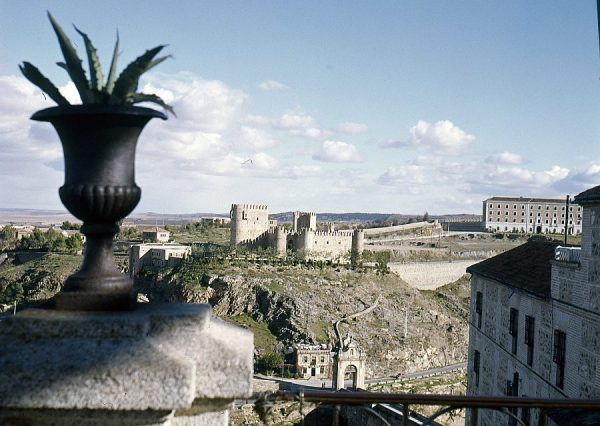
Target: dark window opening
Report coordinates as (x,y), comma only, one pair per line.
(513,328)
(558,356)
(479,307)
(476,363)
(529,337)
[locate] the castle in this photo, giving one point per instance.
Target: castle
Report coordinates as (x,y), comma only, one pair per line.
(251,227)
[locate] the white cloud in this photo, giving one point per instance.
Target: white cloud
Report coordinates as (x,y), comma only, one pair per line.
(336,151)
(311,132)
(518,176)
(352,128)
(294,123)
(271,85)
(504,157)
(264,161)
(205,105)
(253,139)
(442,137)
(407,174)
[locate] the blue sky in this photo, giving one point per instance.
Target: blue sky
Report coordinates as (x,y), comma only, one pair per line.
(342,106)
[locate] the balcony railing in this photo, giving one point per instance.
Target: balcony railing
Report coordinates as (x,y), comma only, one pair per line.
(548,408)
(568,254)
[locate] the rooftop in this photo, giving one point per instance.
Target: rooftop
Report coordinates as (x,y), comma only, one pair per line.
(591,196)
(528,199)
(526,267)
(153,229)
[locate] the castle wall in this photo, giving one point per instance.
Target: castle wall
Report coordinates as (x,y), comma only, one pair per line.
(250,226)
(321,245)
(248,222)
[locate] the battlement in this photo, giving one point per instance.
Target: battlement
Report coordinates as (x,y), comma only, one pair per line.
(249,206)
(311,214)
(334,233)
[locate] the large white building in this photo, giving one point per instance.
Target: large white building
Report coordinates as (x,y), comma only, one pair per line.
(534,326)
(531,215)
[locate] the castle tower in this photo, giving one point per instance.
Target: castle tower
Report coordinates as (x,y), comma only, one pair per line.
(248,222)
(358,241)
(306,220)
(281,241)
(305,240)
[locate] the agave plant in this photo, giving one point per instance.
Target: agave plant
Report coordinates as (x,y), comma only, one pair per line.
(121,90)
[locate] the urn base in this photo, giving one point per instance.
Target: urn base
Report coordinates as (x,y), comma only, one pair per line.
(112,300)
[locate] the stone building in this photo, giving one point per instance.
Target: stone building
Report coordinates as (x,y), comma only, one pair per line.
(155,235)
(313,361)
(251,226)
(349,366)
(532,215)
(156,255)
(534,326)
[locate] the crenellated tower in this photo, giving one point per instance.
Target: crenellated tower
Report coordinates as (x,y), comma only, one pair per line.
(281,240)
(305,220)
(248,222)
(358,241)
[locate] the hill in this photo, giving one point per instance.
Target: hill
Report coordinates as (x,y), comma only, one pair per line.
(291,304)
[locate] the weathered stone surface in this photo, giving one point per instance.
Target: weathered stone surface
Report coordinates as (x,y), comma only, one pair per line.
(156,359)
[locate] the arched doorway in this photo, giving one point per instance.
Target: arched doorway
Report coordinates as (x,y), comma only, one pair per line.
(350,377)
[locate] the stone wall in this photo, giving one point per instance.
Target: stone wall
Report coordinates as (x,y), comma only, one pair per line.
(493,341)
(321,245)
(431,275)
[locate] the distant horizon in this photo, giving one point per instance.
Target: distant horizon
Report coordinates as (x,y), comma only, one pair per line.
(225,214)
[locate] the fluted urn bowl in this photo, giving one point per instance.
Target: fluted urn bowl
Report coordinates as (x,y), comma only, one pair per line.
(99,143)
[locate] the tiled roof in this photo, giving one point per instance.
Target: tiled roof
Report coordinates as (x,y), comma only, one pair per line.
(591,196)
(528,199)
(154,229)
(526,267)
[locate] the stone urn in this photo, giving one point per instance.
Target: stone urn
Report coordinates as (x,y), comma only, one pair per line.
(99,144)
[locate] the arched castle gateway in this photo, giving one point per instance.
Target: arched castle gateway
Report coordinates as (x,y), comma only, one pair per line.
(251,226)
(349,366)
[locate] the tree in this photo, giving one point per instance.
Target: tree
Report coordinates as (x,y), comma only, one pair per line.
(69,226)
(426,217)
(269,361)
(381,261)
(7,233)
(13,292)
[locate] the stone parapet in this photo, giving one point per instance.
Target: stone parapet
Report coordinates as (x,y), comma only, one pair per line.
(157,365)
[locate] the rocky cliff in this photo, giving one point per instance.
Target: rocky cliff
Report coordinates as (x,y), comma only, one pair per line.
(409,330)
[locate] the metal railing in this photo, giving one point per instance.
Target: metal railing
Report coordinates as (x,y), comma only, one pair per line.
(449,403)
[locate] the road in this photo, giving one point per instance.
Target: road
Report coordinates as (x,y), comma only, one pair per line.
(418,374)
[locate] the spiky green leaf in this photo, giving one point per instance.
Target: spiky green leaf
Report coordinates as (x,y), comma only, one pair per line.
(34,75)
(74,68)
(157,61)
(128,79)
(96,77)
(112,75)
(135,98)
